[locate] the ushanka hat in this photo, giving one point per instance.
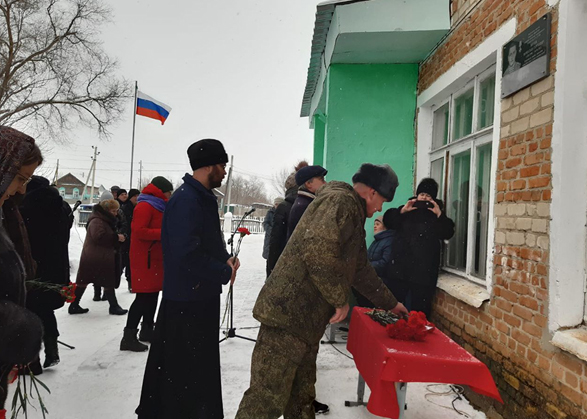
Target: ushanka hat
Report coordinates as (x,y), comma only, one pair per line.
(382,178)
(207,152)
(14,149)
(429,186)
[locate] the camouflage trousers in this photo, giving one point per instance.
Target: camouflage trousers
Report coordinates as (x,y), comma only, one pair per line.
(283,375)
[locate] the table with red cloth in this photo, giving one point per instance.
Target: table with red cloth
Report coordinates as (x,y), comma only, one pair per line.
(383,361)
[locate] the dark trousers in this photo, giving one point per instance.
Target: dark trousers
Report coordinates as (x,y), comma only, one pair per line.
(283,377)
(417,297)
(48,319)
(182,376)
(143,307)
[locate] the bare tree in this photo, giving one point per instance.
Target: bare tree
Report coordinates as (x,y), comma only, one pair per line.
(246,191)
(53,70)
(281,176)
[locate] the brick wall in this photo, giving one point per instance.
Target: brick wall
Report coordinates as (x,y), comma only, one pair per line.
(510,333)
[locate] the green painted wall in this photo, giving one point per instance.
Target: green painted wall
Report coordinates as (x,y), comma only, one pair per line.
(319,127)
(370,112)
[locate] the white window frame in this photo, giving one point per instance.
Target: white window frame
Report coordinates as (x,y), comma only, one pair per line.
(472,68)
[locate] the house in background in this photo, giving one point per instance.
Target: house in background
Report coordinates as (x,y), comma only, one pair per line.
(71,189)
(418,85)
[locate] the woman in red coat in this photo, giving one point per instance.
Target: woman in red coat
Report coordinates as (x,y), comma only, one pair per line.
(146,263)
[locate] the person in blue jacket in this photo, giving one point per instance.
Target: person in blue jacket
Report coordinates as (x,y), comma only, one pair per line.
(182,376)
(379,254)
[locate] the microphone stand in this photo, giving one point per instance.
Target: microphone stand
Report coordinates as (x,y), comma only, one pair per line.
(231,332)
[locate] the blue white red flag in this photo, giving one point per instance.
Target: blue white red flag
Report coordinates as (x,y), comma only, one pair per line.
(151,108)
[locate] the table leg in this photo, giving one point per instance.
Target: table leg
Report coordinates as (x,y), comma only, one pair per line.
(401,390)
(360,394)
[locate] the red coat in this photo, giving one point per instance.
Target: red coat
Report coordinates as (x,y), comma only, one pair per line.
(146,256)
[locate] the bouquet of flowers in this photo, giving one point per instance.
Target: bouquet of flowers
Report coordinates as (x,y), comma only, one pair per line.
(416,327)
(66,291)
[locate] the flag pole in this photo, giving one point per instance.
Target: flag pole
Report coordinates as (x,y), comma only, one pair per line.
(134,120)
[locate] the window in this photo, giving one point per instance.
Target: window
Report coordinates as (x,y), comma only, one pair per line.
(62,192)
(76,193)
(462,135)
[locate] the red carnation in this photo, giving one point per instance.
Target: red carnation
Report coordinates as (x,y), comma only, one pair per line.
(244,231)
(415,328)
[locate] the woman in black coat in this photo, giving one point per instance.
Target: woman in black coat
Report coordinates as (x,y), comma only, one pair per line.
(420,227)
(48,219)
(20,329)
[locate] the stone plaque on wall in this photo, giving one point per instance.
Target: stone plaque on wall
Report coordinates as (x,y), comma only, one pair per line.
(526,58)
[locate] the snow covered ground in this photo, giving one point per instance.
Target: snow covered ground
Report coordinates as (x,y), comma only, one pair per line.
(96,380)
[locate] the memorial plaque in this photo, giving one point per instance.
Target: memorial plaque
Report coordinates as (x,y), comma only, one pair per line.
(526,58)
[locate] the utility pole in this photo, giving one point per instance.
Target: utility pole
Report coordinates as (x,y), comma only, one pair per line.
(228,184)
(88,178)
(95,158)
(140,175)
(56,173)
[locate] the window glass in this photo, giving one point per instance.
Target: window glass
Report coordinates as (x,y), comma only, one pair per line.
(486,102)
(440,126)
(75,192)
(458,209)
(482,209)
(437,173)
(463,116)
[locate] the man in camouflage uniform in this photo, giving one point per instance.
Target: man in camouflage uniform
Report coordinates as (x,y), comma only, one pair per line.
(309,287)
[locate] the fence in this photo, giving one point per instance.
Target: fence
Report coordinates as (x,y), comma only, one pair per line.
(254,225)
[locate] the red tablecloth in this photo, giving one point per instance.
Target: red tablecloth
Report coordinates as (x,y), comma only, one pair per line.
(382,361)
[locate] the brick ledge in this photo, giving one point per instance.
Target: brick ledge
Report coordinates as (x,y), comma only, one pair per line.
(463,289)
(573,341)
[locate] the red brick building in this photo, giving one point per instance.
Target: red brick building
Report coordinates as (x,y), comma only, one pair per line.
(513,288)
(508,145)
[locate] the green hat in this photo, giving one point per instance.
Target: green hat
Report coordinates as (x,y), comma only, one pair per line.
(162,184)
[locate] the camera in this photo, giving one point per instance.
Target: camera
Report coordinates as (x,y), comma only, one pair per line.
(423,204)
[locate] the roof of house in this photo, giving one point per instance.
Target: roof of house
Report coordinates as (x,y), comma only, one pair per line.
(68,180)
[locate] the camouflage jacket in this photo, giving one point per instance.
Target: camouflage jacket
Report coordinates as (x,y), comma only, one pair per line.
(325,255)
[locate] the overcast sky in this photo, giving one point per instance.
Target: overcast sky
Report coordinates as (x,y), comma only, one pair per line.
(234,70)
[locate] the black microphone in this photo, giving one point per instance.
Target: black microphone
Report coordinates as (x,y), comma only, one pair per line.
(249,212)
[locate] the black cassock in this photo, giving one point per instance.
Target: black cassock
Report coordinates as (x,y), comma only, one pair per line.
(182,377)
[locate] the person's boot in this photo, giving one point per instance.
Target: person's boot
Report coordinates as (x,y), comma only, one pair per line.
(75,308)
(97,293)
(146,334)
(320,408)
(34,367)
(130,342)
(114,307)
(51,351)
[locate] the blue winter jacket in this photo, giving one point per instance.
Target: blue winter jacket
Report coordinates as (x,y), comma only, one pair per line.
(379,253)
(194,252)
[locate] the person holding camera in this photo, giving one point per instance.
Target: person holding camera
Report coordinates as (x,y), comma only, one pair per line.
(420,226)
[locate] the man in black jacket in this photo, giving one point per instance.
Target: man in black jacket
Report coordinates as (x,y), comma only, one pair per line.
(309,179)
(182,377)
(420,227)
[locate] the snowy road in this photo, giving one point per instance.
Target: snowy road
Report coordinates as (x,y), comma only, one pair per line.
(97,380)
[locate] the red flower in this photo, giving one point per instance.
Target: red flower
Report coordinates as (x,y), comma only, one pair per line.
(415,328)
(68,292)
(244,231)
(13,375)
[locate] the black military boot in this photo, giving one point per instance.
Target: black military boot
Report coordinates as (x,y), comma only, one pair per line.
(130,342)
(51,351)
(320,408)
(114,307)
(97,293)
(75,308)
(146,334)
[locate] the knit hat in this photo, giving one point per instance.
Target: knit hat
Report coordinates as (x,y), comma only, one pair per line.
(278,200)
(121,191)
(114,188)
(14,149)
(306,173)
(162,184)
(381,177)
(106,195)
(207,152)
(133,192)
(290,182)
(429,186)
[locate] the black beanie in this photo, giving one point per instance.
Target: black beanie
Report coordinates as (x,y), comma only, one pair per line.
(121,191)
(429,186)
(162,184)
(207,152)
(133,192)
(382,178)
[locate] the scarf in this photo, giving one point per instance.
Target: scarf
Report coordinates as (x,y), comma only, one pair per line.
(157,203)
(14,148)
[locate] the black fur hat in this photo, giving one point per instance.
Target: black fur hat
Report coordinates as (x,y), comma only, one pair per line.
(207,152)
(382,178)
(429,186)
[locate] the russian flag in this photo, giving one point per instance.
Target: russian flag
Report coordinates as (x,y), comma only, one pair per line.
(151,108)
